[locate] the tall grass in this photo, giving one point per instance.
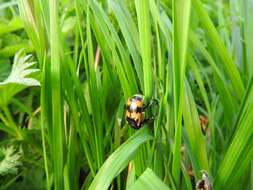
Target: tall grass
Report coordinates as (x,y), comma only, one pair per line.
(192,56)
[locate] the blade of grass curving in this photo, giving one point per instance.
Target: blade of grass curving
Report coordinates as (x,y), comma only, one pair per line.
(119,159)
(181,17)
(14,25)
(5,5)
(149,181)
(9,51)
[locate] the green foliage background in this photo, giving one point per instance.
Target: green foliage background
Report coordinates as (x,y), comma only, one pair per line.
(62,118)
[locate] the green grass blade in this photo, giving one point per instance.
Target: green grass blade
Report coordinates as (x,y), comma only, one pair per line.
(12,26)
(34,25)
(181,17)
(143,17)
(186,178)
(95,100)
(45,117)
(149,181)
(193,129)
(229,66)
(119,160)
(130,174)
(113,49)
(248,29)
(229,102)
(57,109)
(239,153)
(130,33)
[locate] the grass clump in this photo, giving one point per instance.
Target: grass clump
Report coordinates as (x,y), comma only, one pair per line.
(67,69)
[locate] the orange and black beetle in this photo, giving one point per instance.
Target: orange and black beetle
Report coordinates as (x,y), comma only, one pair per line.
(135,111)
(204,183)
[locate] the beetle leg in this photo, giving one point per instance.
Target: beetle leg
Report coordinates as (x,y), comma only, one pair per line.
(153,101)
(149,120)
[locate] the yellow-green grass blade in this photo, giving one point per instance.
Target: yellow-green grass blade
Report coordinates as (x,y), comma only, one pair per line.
(149,181)
(118,160)
(9,51)
(14,25)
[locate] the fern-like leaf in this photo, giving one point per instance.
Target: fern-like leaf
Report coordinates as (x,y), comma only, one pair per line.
(19,77)
(10,160)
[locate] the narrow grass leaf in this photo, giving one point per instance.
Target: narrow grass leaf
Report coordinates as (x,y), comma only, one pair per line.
(130,33)
(239,153)
(105,32)
(229,66)
(193,129)
(57,108)
(248,29)
(181,17)
(143,17)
